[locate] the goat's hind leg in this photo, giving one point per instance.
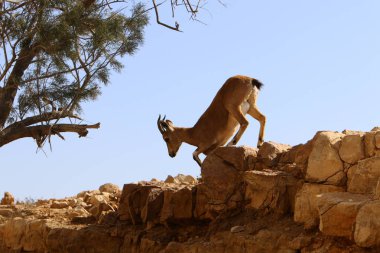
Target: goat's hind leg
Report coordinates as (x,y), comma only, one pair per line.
(236,112)
(255,113)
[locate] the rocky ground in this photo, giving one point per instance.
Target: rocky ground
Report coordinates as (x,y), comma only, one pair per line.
(322,196)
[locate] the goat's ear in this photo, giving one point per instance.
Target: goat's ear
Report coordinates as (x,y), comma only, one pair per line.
(169,125)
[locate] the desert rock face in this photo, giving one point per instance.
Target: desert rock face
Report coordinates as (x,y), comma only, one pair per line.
(8,199)
(322,196)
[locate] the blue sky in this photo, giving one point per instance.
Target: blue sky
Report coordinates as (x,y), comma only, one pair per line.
(319,61)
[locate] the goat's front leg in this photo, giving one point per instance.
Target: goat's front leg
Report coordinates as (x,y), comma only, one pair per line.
(204,150)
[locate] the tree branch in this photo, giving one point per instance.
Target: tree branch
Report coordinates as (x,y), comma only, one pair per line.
(176,28)
(40,132)
(38,119)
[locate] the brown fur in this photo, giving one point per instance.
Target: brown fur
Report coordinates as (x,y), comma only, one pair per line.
(219,122)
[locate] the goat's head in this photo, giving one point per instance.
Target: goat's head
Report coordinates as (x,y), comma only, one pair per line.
(169,135)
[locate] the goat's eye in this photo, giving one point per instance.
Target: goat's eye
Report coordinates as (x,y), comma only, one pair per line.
(166,139)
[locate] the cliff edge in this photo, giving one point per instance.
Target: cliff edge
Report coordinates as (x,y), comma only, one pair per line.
(322,196)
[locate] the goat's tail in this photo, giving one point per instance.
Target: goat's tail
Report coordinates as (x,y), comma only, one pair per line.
(256,83)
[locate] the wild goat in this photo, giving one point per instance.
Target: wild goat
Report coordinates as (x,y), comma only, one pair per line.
(234,100)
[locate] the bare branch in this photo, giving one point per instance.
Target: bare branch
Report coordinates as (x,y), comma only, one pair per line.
(176,28)
(40,132)
(40,118)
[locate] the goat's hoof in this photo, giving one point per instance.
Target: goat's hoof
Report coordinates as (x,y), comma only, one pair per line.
(231,143)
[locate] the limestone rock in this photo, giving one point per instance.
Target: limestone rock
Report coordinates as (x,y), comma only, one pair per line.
(97,210)
(324,164)
(78,212)
(177,205)
(352,132)
(73,202)
(6,212)
(338,211)
(170,180)
(151,209)
(181,180)
(377,140)
(110,188)
(363,177)
(298,154)
(306,208)
(351,149)
(186,179)
(369,144)
(367,229)
(140,203)
(270,152)
(266,190)
(377,190)
(86,194)
(27,235)
(96,200)
(8,199)
(124,203)
(59,204)
(237,157)
(222,183)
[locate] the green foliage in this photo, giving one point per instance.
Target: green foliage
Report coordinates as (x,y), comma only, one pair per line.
(76,49)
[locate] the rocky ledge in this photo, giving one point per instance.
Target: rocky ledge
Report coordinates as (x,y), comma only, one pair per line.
(322,196)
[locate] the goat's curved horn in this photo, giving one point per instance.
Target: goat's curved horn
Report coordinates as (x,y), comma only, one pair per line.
(159,125)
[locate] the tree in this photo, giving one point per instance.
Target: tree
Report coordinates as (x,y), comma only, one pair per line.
(55,55)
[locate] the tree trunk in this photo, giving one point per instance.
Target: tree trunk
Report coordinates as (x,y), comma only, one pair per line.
(9,91)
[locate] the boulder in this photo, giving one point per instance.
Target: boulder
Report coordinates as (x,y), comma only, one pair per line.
(298,154)
(140,203)
(267,190)
(221,187)
(306,207)
(237,157)
(25,235)
(367,228)
(124,202)
(186,179)
(177,205)
(96,211)
(181,180)
(369,144)
(78,211)
(151,209)
(110,188)
(377,140)
(270,152)
(170,180)
(325,165)
(8,199)
(59,204)
(352,132)
(6,212)
(352,148)
(363,177)
(96,200)
(338,211)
